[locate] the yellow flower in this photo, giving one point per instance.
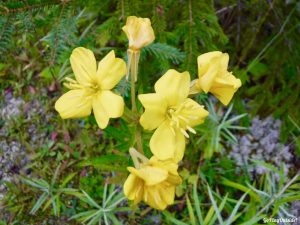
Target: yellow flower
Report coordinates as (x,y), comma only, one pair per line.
(139,32)
(172,113)
(92,87)
(214,77)
(154,182)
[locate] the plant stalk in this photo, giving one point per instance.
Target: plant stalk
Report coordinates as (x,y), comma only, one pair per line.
(133,60)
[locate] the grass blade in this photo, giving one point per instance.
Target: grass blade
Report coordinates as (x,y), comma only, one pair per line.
(214,205)
(39,203)
(197,204)
(236,208)
(191,211)
(90,200)
(254,220)
(172,219)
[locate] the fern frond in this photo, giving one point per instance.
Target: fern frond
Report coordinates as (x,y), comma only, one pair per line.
(6,30)
(15,7)
(164,52)
(62,36)
(106,30)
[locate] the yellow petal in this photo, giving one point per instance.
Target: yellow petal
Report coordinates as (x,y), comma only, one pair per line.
(225,87)
(112,103)
(153,198)
(193,112)
(110,71)
(83,63)
(107,105)
(155,110)
(207,74)
(174,179)
(174,86)
(139,192)
(167,194)
(151,175)
(133,188)
(130,186)
(166,143)
(99,112)
(224,62)
(207,57)
(194,87)
(139,32)
(170,165)
(74,104)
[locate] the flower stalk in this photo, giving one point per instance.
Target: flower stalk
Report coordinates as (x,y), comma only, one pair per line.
(132,68)
(133,62)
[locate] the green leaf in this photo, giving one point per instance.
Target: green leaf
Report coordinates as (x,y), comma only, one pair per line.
(191,211)
(96,215)
(91,201)
(268,166)
(46,74)
(39,203)
(258,69)
(107,162)
(214,205)
(221,206)
(197,203)
(114,219)
(254,220)
(68,179)
(289,199)
(235,210)
(83,214)
(241,188)
(172,219)
(209,215)
(40,184)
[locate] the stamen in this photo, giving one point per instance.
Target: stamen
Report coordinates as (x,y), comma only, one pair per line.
(184,119)
(76,86)
(67,85)
(173,131)
(88,85)
(71,80)
(191,129)
(193,117)
(180,107)
(177,121)
(184,133)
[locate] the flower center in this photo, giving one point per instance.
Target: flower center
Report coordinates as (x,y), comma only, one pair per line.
(91,88)
(180,120)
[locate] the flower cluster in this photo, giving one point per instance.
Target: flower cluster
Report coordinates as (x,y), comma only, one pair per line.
(152,181)
(169,111)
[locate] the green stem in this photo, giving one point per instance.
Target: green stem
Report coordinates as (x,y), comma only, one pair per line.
(133,103)
(128,116)
(133,60)
(138,137)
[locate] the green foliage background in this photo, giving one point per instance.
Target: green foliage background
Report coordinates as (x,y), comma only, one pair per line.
(36,40)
